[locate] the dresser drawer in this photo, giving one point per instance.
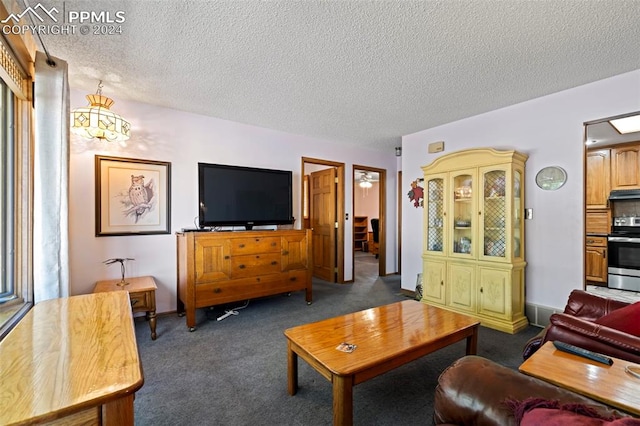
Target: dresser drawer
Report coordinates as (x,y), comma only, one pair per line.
(240,289)
(255,264)
(254,245)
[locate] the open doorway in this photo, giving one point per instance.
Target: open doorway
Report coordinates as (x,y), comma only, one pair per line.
(369,219)
(323,212)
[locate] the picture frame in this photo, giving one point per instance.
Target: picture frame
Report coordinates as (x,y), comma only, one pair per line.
(132,196)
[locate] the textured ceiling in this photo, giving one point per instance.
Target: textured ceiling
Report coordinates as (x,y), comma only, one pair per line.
(357,72)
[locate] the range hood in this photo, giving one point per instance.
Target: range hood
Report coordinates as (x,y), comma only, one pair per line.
(625,194)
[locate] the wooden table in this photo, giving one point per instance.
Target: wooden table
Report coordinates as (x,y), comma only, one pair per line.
(72,360)
(142,292)
(610,385)
(386,337)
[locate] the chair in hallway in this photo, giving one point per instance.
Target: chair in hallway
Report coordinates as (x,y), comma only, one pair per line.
(374,228)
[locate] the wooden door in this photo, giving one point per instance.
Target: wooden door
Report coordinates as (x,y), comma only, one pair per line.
(323,223)
(598,179)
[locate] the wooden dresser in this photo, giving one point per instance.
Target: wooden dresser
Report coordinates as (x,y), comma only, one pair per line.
(72,361)
(221,267)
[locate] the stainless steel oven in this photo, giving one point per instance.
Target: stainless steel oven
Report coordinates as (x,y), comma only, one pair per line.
(623,249)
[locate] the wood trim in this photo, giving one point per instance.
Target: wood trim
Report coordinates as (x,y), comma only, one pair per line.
(382,213)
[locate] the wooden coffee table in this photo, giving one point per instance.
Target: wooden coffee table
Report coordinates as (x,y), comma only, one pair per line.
(609,384)
(385,337)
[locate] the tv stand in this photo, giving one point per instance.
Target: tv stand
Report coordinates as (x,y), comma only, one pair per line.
(218,268)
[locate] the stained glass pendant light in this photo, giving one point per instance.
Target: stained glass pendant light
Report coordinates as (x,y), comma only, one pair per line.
(96,120)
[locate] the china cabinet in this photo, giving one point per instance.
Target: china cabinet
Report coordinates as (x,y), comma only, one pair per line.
(473,242)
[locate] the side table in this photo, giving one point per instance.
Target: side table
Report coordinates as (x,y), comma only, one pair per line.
(609,384)
(142,293)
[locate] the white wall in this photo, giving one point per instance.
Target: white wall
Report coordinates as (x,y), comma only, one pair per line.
(366,202)
(550,130)
(184,139)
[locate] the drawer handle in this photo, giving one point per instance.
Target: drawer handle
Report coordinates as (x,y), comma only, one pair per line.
(273,244)
(241,266)
(217,290)
(257,240)
(590,241)
(293,278)
(226,257)
(134,301)
(241,245)
(274,262)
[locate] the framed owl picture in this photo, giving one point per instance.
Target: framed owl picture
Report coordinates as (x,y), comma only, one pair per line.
(133,197)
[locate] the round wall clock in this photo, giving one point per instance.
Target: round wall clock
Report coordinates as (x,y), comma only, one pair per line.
(551,178)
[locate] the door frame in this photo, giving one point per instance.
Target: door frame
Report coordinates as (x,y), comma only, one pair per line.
(340,209)
(382,213)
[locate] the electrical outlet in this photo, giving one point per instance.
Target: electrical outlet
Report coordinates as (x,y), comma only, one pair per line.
(528,213)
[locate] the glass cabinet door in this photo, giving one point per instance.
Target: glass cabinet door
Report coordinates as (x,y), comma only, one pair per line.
(518,210)
(494,226)
(434,212)
(463,218)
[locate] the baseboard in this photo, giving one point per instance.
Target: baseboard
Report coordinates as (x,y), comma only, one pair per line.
(539,315)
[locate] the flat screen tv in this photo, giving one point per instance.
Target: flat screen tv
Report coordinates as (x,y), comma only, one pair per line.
(244,196)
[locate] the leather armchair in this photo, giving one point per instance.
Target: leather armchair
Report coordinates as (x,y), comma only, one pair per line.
(473,391)
(576,326)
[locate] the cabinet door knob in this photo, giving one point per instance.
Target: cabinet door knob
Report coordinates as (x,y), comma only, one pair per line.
(241,266)
(285,252)
(481,290)
(274,262)
(241,246)
(604,254)
(441,282)
(217,290)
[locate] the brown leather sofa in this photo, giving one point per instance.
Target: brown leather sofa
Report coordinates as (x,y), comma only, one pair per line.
(576,326)
(473,391)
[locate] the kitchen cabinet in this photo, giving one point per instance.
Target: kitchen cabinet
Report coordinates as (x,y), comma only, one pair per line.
(598,222)
(473,241)
(596,260)
(598,180)
(625,167)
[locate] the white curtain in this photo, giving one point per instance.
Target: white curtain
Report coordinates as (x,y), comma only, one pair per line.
(51,180)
